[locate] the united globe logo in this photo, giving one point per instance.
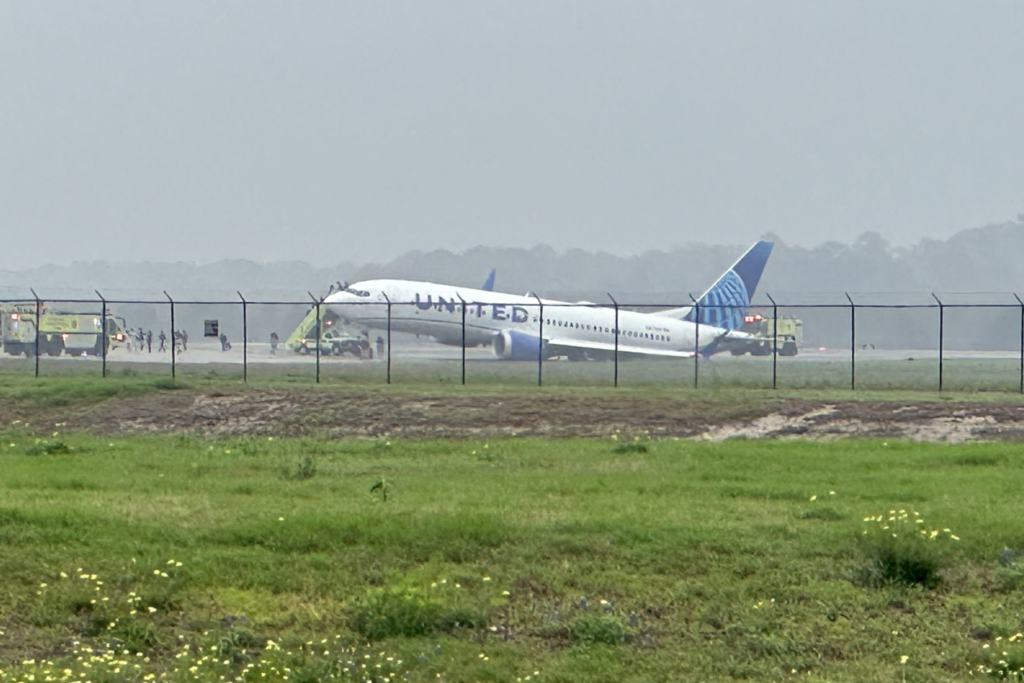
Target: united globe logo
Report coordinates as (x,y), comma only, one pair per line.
(724,304)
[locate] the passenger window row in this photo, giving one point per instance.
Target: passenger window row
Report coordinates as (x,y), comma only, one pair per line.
(607,330)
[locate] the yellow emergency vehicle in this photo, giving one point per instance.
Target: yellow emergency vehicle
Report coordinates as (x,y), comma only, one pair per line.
(77,334)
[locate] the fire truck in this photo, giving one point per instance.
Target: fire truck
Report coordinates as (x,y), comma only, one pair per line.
(787,332)
(77,334)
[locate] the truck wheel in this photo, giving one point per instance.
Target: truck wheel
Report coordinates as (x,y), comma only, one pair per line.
(336,349)
(54,346)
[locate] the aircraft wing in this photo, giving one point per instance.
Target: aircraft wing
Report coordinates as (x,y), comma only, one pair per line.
(609,347)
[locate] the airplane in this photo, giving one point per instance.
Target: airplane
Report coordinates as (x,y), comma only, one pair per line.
(529,327)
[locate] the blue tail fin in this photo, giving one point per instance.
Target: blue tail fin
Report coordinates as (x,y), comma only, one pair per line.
(726,302)
(489,282)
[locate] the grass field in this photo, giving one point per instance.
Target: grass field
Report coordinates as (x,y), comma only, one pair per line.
(916,372)
(608,559)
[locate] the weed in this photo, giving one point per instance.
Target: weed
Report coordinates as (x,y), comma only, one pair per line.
(388,613)
(900,562)
(408,612)
(304,469)
(49,448)
(823,513)
(899,549)
(381,488)
(239,645)
(486,454)
(460,617)
(592,629)
(631,447)
(134,635)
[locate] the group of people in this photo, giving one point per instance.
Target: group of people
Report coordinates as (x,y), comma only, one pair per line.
(139,340)
(142,340)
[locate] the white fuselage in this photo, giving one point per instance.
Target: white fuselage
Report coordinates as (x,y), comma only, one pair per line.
(436,310)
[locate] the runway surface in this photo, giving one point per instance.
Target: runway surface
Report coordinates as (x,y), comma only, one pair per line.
(421,350)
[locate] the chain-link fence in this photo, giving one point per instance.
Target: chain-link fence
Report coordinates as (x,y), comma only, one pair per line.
(919,341)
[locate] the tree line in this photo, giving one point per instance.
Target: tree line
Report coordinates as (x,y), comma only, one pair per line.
(984,259)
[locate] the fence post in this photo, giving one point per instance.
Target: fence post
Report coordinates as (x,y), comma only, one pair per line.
(616,304)
(540,343)
(941,329)
(463,337)
(389,334)
(1021,342)
(103,326)
(775,340)
(174,339)
(696,341)
(319,333)
(39,307)
(245,338)
(853,342)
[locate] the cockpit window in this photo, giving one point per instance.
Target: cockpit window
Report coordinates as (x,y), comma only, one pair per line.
(358,292)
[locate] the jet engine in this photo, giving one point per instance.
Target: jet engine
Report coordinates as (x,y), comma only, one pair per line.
(513,345)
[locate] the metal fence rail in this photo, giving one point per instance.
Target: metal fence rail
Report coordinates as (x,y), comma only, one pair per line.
(1005,313)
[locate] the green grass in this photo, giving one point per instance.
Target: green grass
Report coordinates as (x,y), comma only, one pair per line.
(914,373)
(744,382)
(488,561)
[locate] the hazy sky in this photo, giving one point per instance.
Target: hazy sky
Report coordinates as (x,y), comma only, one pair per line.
(329,131)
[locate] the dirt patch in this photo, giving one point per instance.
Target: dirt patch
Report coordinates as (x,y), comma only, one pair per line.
(296,412)
(831,421)
(775,424)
